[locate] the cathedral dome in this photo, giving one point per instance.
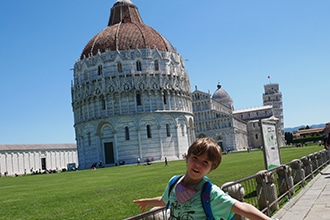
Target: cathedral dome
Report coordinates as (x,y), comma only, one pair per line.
(222,96)
(125,31)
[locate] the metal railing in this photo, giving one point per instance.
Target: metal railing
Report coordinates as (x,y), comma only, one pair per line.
(268,190)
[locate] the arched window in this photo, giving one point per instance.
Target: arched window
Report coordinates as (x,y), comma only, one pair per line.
(138,66)
(99,70)
(156,65)
(126,133)
(164,99)
(168,130)
(148,131)
(119,67)
(138,99)
(102,103)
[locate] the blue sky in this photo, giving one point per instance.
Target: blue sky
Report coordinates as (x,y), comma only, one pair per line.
(238,43)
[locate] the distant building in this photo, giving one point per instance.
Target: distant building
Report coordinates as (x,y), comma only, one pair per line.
(234,130)
(310,132)
(22,158)
(252,116)
(272,96)
(272,110)
(213,117)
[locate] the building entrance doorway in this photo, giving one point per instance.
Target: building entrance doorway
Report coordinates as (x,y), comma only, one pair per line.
(108,153)
(43,164)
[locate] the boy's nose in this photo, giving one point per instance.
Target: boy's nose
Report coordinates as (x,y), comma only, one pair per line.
(198,163)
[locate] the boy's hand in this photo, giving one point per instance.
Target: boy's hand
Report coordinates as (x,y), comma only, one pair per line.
(142,204)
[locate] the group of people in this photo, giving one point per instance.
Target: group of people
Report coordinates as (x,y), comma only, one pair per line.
(95,165)
(148,161)
(5,174)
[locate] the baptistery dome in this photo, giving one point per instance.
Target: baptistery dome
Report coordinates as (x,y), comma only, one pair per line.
(125,31)
(223,97)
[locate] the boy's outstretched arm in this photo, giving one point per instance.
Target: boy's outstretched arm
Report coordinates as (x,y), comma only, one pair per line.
(249,211)
(144,203)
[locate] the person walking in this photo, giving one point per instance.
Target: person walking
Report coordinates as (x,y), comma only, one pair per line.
(166,163)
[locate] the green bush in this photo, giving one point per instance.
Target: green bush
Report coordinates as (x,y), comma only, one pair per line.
(304,140)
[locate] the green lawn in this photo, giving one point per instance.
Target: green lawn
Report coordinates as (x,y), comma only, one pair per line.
(108,193)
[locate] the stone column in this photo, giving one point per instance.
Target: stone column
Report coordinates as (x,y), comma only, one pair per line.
(307,165)
(236,191)
(285,180)
(266,190)
(298,172)
(325,155)
(319,158)
(315,163)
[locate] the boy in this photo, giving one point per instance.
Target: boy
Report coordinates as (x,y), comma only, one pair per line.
(204,155)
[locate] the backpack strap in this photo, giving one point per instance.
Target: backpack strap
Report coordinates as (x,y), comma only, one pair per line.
(206,200)
(205,196)
(171,184)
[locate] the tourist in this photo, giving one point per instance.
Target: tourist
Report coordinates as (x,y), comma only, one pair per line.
(204,155)
(166,163)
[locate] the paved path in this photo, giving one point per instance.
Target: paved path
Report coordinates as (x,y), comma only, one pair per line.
(313,202)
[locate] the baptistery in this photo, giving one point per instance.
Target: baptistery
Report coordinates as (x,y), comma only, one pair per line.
(131,94)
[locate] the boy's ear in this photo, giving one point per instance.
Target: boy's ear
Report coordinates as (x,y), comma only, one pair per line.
(186,158)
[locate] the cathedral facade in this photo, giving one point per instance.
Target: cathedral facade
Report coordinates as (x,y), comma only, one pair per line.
(213,117)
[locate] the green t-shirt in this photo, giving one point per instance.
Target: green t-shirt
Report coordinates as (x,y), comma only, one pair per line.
(192,209)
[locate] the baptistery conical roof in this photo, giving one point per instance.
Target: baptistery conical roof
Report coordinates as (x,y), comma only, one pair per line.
(125,31)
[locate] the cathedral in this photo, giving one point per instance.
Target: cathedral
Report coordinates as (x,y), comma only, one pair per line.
(131,99)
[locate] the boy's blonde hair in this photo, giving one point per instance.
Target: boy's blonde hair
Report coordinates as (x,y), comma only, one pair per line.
(208,146)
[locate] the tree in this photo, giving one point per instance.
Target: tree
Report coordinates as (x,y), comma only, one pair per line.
(288,138)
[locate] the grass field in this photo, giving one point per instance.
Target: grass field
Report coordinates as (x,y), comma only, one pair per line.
(108,193)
